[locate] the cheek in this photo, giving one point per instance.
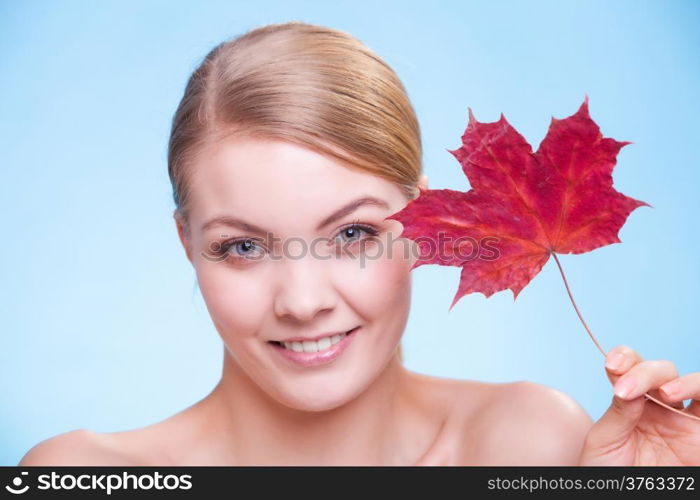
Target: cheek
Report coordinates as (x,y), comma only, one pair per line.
(236,300)
(381,283)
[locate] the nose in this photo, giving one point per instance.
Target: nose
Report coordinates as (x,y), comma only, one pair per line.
(305,288)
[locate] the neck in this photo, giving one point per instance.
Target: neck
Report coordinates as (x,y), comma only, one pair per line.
(251,428)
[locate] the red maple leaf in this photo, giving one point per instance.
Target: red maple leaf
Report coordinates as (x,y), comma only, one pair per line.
(522,206)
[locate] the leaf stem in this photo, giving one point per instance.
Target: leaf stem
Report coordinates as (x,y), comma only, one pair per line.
(566,284)
(568,290)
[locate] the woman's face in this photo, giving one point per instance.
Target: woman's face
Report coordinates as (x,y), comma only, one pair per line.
(307,272)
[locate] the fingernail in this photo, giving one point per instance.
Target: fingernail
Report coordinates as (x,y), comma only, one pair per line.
(625,386)
(616,361)
(671,388)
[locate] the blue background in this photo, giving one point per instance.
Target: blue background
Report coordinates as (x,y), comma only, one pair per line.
(102,326)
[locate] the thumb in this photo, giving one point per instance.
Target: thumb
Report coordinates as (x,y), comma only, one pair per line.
(618,421)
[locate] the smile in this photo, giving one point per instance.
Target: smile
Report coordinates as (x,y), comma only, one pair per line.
(315,352)
(312,345)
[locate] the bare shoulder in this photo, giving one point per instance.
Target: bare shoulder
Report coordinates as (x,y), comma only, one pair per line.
(526,423)
(77,447)
(172,441)
(448,396)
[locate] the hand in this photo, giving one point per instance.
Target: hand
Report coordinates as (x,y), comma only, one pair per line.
(637,431)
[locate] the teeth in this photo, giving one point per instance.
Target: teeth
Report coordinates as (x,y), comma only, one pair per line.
(314,345)
(324,343)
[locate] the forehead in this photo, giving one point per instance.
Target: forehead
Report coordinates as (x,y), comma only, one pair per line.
(271,179)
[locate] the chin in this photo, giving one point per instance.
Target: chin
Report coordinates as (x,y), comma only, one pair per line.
(325,390)
(319,397)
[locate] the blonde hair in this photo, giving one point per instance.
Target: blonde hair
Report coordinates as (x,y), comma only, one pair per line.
(318,87)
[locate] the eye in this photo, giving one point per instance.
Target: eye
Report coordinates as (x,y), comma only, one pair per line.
(353,232)
(241,248)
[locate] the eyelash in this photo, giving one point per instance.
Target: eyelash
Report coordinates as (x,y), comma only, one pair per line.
(225,246)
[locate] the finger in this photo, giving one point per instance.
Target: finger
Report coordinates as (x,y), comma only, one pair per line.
(672,402)
(645,376)
(621,418)
(660,395)
(682,388)
(667,397)
(619,360)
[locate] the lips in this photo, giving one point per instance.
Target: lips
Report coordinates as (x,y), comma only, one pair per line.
(315,338)
(308,359)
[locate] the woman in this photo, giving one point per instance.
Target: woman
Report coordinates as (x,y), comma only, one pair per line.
(290,147)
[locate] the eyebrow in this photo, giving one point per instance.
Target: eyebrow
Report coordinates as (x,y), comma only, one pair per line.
(227,220)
